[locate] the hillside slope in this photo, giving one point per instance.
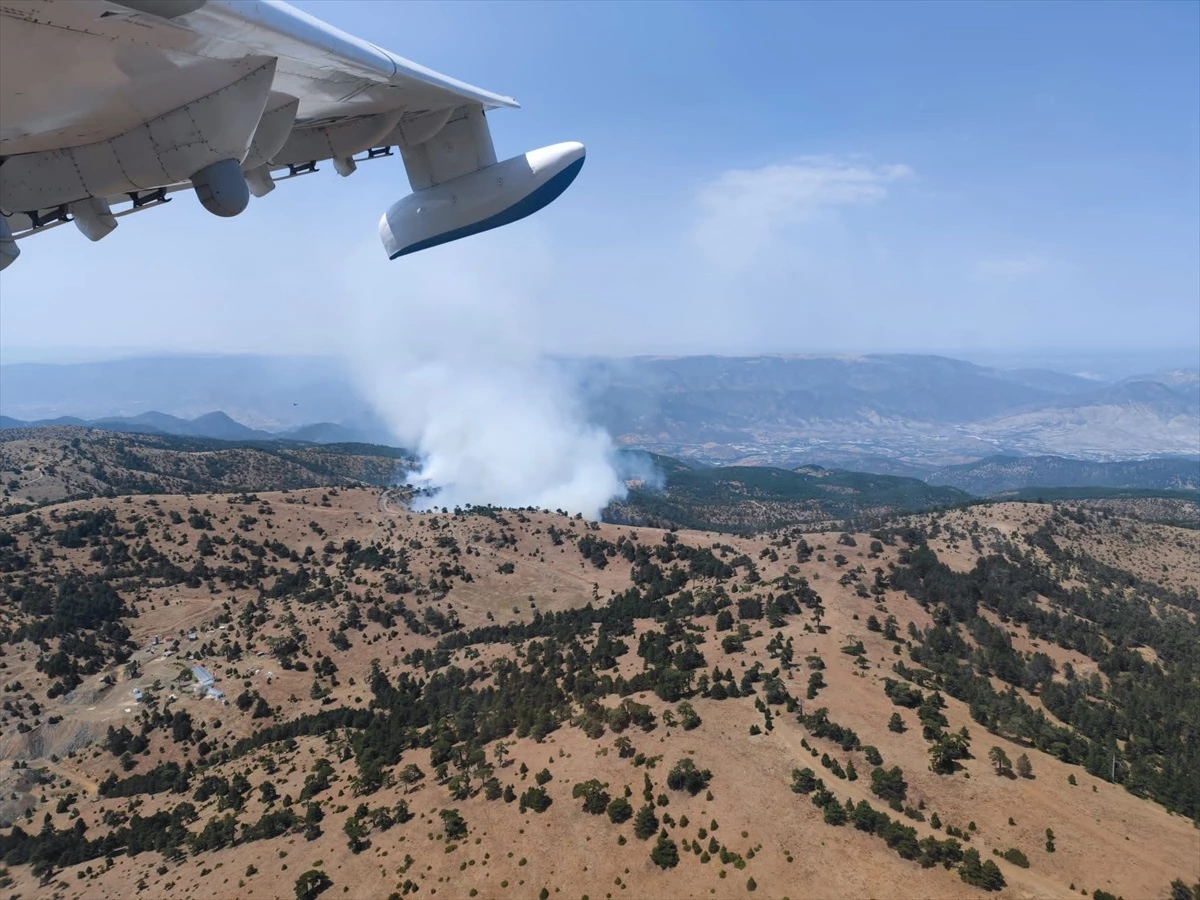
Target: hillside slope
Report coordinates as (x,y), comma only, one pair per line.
(757,498)
(458,702)
(52,463)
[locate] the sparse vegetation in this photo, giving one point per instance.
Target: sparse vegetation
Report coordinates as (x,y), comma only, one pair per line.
(354,650)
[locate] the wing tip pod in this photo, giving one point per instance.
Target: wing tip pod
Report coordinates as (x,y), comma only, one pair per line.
(480,201)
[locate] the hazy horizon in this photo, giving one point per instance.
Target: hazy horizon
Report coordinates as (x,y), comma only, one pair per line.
(1101,363)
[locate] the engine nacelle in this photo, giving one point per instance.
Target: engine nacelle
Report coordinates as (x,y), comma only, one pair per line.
(481,200)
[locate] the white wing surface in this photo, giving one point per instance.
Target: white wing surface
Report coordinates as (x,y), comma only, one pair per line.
(109,108)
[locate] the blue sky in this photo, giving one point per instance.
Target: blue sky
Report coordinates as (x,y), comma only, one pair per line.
(960,178)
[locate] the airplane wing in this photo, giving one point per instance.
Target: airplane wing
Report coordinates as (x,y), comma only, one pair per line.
(112,107)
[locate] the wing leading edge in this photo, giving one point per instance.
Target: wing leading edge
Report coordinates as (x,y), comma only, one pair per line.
(108,108)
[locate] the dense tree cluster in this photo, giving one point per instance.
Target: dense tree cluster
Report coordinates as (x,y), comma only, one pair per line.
(1134,729)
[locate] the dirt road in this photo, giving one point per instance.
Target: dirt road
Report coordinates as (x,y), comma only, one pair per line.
(92,788)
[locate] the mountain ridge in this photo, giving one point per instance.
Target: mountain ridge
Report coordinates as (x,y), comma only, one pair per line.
(898,410)
(217,425)
(998,474)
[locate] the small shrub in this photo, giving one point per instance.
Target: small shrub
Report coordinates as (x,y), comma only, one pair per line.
(1016,857)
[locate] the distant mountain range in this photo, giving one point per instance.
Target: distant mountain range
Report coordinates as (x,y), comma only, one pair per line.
(210,425)
(895,414)
(267,393)
(905,415)
(999,474)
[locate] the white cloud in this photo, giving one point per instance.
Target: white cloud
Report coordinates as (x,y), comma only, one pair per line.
(742,212)
(1011,268)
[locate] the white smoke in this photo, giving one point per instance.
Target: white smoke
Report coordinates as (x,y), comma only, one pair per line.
(640,469)
(445,344)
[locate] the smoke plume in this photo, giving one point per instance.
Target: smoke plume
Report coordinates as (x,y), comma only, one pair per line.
(446,346)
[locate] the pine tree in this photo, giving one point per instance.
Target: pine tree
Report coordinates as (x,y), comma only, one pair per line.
(645,823)
(835,814)
(1024,767)
(500,753)
(804,781)
(453,824)
(991,878)
(665,854)
(1000,760)
(971,870)
(355,832)
(311,883)
(619,811)
(535,798)
(595,798)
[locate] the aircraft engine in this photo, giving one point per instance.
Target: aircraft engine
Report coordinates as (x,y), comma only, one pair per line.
(481,200)
(222,188)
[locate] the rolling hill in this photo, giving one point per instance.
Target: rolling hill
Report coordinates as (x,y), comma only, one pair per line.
(757,498)
(50,464)
(998,474)
(989,701)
